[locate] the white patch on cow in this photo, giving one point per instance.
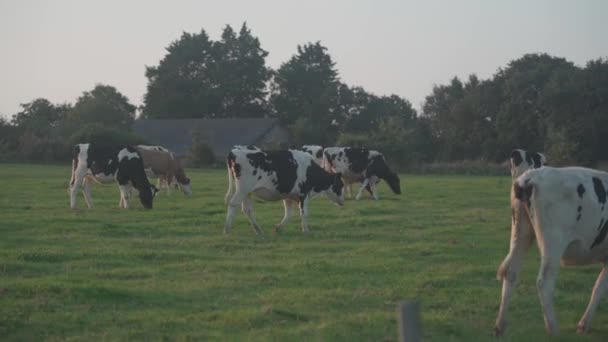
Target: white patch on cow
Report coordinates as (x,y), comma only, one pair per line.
(124,153)
(109,161)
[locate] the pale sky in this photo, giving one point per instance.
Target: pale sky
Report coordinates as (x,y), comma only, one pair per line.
(57,49)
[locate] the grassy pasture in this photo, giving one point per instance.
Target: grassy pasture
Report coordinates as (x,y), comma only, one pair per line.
(170,273)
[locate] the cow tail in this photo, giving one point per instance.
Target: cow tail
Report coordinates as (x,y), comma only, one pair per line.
(230,183)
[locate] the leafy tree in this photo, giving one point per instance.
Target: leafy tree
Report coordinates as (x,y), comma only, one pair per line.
(103,106)
(40,116)
(242,74)
(306,88)
(183,85)
(201,78)
(521,120)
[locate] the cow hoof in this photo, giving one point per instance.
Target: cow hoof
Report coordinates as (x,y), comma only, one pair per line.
(581,328)
(276,229)
(498,332)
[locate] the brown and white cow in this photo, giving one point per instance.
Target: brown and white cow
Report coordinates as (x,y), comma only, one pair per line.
(163,165)
(108,164)
(360,165)
(565,210)
(288,175)
(522,160)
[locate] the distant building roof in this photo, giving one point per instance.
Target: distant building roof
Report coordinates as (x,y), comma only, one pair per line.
(220,134)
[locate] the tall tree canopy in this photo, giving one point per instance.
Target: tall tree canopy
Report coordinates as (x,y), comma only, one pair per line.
(200,78)
(103,106)
(40,116)
(305,95)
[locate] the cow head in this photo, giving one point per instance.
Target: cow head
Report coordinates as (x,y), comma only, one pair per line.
(185,186)
(392,179)
(334,192)
(147,195)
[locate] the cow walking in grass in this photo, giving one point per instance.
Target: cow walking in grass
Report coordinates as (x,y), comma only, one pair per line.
(109,164)
(164,165)
(360,165)
(291,176)
(565,209)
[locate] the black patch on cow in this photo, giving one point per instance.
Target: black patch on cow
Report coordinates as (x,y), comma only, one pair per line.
(319,153)
(580,189)
(232,164)
(357,158)
(579,209)
(318,180)
(529,158)
(255,172)
(281,163)
(377,167)
(522,193)
(578,217)
(132,170)
(98,157)
(602,235)
(537,160)
(516,157)
(127,170)
(600,191)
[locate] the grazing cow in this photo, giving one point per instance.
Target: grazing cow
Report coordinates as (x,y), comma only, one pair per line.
(360,165)
(522,160)
(288,175)
(315,151)
(166,167)
(106,164)
(565,209)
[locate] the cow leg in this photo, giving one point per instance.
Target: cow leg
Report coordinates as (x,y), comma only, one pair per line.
(248,210)
(552,244)
(86,190)
(287,204)
(159,183)
(304,213)
(599,290)
(77,180)
(363,186)
(545,284)
(125,191)
(373,187)
(169,181)
(233,204)
(230,187)
(522,236)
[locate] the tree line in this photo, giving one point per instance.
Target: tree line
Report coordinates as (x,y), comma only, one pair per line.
(537,102)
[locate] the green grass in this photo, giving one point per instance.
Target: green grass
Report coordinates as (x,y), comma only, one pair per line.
(170,273)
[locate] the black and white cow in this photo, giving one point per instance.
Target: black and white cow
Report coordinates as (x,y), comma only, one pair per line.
(288,175)
(522,160)
(108,164)
(360,165)
(565,210)
(315,151)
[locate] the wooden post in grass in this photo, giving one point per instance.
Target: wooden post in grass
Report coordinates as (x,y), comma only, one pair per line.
(408,319)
